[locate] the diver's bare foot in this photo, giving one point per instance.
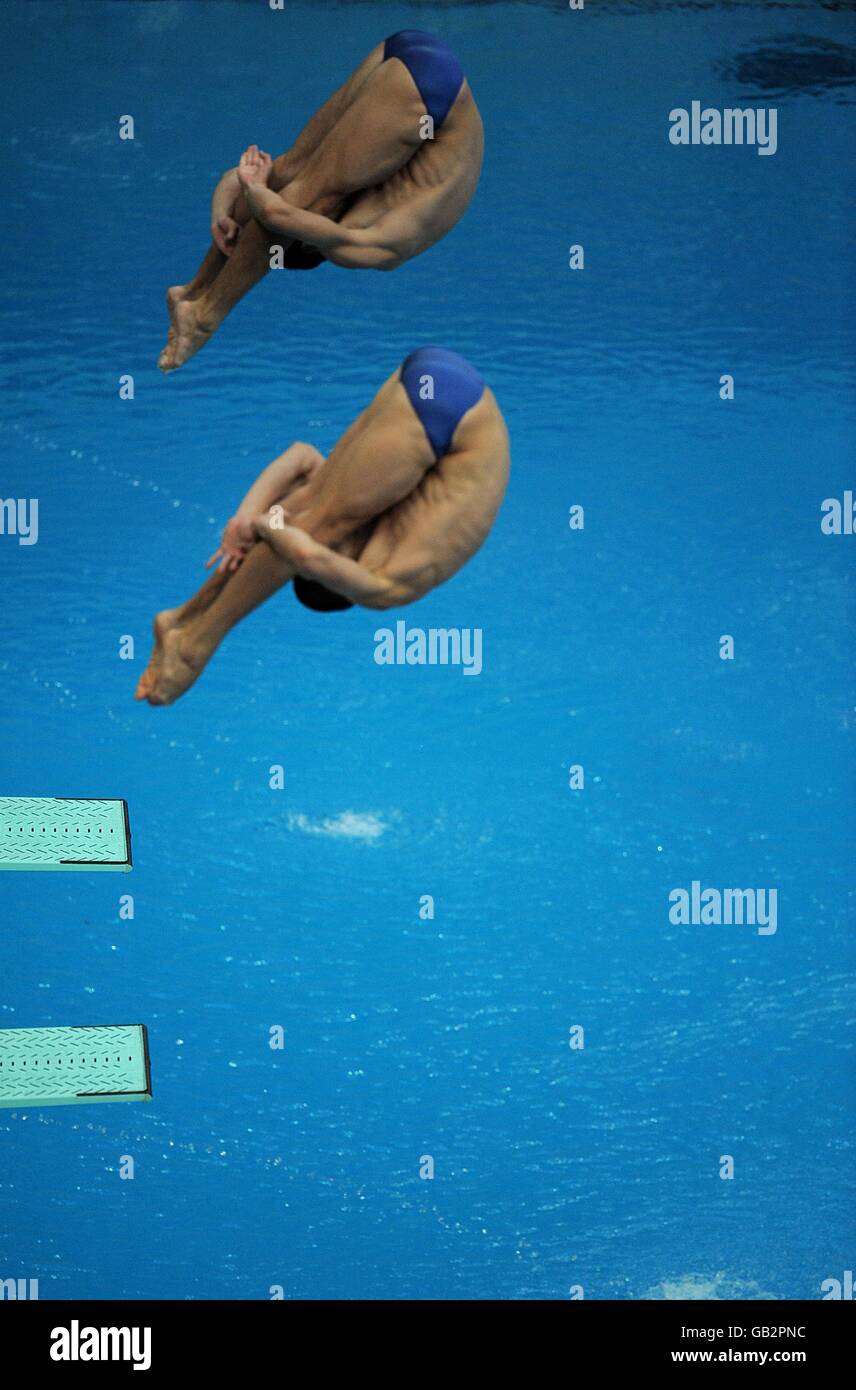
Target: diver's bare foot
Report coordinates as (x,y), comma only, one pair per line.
(188,334)
(175,294)
(181,661)
(164,623)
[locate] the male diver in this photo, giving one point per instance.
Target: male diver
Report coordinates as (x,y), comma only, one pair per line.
(386,167)
(406,497)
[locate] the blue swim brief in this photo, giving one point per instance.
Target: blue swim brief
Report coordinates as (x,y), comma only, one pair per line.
(433,67)
(442,387)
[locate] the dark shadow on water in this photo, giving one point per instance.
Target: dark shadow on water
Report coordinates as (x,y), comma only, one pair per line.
(793,64)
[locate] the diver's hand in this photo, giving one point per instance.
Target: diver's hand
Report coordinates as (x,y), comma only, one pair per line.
(290,542)
(238,538)
(225,232)
(254,167)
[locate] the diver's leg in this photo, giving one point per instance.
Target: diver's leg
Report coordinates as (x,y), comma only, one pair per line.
(182,652)
(288,165)
(198,602)
(373,138)
(285,167)
(176,294)
(184,648)
(333,507)
(207,273)
(196,319)
(375,135)
(167,621)
(171,618)
(212,263)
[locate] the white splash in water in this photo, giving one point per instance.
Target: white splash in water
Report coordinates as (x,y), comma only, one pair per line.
(348,825)
(689,1287)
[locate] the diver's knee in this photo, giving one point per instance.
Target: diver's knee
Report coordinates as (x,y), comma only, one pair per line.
(284,168)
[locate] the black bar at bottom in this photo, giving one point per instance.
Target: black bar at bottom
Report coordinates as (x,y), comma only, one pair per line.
(219,1338)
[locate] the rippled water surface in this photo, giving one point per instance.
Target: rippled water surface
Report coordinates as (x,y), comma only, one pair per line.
(300,907)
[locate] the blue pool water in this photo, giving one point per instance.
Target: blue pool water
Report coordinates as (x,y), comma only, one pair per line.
(300,907)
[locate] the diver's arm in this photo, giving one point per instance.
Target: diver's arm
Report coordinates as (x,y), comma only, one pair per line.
(355,247)
(337,572)
(225,228)
(272,485)
(225,194)
(364,252)
(277,480)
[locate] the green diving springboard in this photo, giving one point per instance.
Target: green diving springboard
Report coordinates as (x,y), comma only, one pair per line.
(61,832)
(72,1066)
